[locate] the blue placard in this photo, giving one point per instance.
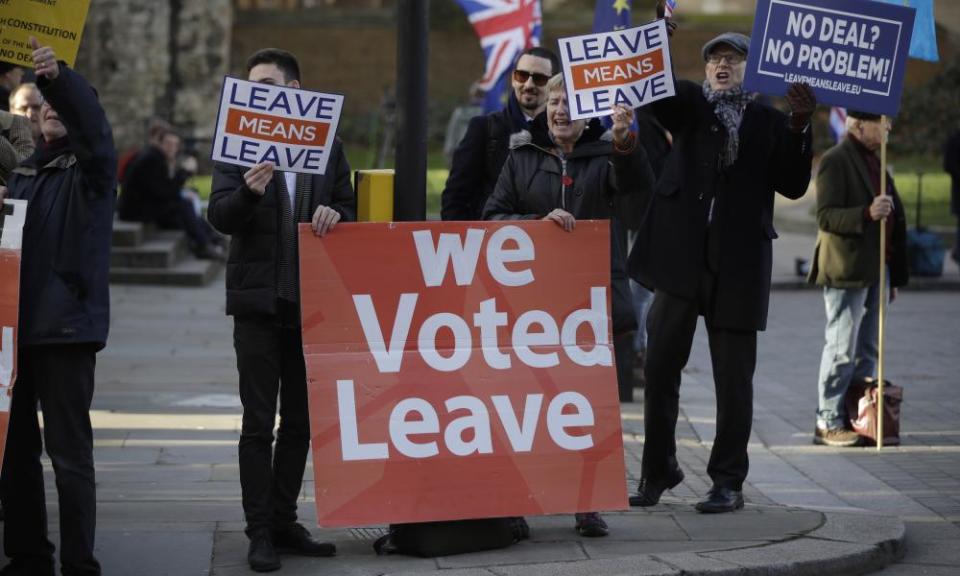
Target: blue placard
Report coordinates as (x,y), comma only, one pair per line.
(852,52)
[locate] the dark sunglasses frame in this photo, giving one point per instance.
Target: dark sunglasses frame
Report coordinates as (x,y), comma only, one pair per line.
(522,76)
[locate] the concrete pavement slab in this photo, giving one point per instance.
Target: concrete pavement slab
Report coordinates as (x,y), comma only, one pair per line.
(157,402)
(761,523)
(154,553)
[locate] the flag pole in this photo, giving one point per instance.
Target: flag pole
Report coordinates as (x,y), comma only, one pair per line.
(883,281)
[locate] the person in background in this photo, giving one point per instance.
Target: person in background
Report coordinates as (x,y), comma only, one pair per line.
(16,143)
(152,186)
(846,262)
(10,77)
(951,164)
(26,101)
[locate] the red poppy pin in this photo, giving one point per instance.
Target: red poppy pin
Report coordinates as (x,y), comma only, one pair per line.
(567,180)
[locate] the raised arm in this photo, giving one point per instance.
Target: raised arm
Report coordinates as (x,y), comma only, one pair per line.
(79,109)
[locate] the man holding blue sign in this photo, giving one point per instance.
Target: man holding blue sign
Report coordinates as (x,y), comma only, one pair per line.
(707,252)
(852,52)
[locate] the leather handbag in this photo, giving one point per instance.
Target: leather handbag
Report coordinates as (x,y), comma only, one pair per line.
(861,403)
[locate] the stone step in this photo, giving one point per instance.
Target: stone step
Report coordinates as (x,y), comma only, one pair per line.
(128,233)
(159,250)
(189,272)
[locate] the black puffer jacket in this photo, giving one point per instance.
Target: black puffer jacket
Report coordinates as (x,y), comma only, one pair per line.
(591,183)
(253,222)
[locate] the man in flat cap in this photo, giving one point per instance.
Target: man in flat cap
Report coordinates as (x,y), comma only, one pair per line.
(846,262)
(705,250)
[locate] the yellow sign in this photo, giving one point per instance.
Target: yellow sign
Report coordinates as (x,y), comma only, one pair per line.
(54,23)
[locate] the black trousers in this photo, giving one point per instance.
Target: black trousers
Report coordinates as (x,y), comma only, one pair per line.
(671,324)
(270,362)
(60,377)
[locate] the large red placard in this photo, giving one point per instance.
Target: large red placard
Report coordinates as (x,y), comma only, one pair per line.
(460,370)
(12,215)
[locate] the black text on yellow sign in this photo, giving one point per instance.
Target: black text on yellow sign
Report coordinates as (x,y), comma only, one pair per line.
(54,23)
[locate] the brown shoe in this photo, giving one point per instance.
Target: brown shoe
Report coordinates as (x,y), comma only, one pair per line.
(839,437)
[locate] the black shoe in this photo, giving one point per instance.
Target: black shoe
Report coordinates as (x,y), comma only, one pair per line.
(591,525)
(719,500)
(649,491)
(295,539)
(19,567)
(261,555)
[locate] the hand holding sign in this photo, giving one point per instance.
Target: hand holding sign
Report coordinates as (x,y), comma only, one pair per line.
(563,219)
(881,207)
(802,103)
(258,177)
(324,219)
(44,60)
(622,121)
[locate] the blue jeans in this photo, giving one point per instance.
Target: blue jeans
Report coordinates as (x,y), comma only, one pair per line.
(850,348)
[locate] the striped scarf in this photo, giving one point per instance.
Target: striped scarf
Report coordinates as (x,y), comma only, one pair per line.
(729,105)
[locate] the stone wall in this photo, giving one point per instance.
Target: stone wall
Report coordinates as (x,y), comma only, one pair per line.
(164,58)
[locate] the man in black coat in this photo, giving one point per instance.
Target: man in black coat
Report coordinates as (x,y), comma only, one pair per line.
(706,250)
(260,209)
(479,157)
(70,185)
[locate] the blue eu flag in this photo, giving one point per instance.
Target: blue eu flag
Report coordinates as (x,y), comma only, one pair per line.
(608,16)
(923,43)
(611,15)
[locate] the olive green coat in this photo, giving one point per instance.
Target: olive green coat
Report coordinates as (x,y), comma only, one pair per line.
(847,253)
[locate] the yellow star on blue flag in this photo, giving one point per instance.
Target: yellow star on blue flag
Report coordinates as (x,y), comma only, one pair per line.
(611,15)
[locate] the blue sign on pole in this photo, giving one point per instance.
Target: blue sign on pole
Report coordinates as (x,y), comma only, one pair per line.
(851,52)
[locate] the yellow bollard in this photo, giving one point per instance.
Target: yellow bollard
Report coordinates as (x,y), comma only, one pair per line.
(374,190)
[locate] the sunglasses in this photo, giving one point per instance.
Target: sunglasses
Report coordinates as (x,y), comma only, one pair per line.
(522,76)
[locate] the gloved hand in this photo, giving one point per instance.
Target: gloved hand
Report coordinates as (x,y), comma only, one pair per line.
(802,103)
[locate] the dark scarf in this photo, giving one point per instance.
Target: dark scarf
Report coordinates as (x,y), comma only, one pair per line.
(518,120)
(729,105)
(47,152)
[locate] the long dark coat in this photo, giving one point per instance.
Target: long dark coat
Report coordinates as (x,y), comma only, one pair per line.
(673,247)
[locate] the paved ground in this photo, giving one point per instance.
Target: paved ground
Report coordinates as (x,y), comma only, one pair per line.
(167,420)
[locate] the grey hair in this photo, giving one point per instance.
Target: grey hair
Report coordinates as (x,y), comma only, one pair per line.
(555,83)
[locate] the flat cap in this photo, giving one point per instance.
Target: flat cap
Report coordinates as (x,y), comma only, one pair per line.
(861,115)
(737,41)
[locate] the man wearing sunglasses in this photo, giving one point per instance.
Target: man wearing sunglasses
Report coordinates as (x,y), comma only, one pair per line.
(480,155)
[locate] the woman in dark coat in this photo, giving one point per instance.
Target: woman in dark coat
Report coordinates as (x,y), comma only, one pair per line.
(572,171)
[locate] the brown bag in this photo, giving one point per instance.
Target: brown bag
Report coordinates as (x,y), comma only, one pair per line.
(861,403)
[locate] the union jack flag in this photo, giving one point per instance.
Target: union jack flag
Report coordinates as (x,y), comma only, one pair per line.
(838,122)
(505,28)
(669,7)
